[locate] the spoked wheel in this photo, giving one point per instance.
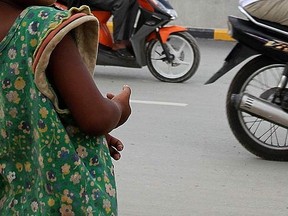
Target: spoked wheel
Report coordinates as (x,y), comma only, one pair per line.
(259,77)
(185,56)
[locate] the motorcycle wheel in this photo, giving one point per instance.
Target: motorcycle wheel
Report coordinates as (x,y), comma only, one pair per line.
(186,57)
(261,137)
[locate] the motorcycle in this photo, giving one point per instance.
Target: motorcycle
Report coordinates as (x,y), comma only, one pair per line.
(257,98)
(170,52)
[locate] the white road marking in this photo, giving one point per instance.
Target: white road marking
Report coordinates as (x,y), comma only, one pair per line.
(158,103)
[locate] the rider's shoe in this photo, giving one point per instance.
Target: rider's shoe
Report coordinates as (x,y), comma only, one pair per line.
(124,53)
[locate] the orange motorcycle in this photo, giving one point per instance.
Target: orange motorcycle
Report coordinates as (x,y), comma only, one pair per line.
(170,52)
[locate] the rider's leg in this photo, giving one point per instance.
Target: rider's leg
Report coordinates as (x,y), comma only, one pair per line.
(124,13)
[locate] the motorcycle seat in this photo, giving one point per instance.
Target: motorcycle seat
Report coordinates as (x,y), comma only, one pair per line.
(273,26)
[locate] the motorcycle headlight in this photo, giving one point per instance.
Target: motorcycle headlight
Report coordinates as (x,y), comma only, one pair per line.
(159,5)
(172,13)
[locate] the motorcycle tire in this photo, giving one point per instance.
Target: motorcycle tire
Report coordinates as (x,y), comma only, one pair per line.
(260,137)
(186,57)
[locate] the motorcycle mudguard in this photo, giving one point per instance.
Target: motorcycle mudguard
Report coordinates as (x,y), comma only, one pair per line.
(237,55)
(263,40)
(165,32)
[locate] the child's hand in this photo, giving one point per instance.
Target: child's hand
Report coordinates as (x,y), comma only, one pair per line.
(115,146)
(122,99)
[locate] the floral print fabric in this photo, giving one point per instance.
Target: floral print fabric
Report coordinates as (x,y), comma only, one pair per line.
(47,165)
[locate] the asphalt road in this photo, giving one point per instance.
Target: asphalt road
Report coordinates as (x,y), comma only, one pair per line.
(180,157)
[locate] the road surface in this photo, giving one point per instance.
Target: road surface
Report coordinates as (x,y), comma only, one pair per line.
(180,157)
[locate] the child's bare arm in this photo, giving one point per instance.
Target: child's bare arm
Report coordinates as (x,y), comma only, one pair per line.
(94,113)
(121,98)
(115,146)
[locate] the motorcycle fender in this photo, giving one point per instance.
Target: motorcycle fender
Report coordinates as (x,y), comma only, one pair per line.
(237,55)
(165,32)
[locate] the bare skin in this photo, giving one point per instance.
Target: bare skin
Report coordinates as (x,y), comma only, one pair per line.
(81,95)
(93,113)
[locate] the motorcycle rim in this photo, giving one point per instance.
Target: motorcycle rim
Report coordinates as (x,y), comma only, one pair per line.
(186,56)
(261,137)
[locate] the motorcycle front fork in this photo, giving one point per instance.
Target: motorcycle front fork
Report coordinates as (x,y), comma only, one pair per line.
(165,48)
(278,96)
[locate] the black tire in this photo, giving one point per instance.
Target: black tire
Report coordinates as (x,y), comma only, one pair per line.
(262,138)
(188,55)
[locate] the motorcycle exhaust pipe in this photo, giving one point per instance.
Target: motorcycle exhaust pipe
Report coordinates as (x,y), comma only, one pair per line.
(260,108)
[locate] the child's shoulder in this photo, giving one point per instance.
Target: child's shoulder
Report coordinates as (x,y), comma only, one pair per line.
(43,12)
(39,19)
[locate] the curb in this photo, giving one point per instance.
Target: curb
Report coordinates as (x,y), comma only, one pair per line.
(214,34)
